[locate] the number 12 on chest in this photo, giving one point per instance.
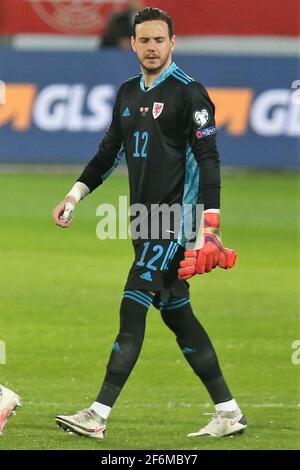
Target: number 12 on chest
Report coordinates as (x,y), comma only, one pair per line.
(140,144)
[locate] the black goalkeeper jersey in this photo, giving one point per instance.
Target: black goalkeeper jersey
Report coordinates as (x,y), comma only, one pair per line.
(167,134)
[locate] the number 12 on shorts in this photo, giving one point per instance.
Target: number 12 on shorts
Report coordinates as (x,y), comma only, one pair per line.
(158,250)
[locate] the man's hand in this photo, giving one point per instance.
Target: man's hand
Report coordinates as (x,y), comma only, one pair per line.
(62,213)
(211,255)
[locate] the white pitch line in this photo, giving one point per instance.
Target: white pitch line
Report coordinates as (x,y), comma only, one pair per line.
(171,405)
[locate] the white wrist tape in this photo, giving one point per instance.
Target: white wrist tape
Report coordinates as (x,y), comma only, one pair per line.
(67,215)
(79,191)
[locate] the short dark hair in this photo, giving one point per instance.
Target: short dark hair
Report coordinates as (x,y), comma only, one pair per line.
(151,14)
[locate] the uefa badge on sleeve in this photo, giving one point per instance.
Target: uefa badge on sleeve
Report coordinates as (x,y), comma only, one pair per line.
(201,117)
(157,109)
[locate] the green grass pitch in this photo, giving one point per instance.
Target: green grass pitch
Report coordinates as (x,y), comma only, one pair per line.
(60,294)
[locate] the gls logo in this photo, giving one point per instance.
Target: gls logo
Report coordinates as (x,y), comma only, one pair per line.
(276,112)
(75,108)
(58,107)
(272,113)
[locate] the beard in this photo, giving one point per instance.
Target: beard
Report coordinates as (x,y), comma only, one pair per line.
(154,70)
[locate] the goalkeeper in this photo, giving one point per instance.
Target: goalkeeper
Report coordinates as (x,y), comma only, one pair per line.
(163,123)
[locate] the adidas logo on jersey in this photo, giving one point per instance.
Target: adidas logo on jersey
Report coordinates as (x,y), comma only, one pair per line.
(146,276)
(126,112)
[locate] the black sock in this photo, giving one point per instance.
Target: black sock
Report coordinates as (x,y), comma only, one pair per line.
(197,349)
(128,344)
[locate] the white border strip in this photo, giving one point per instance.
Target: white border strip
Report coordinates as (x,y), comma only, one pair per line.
(241,45)
(229,45)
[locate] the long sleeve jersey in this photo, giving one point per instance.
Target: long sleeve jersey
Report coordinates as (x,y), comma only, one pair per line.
(167,133)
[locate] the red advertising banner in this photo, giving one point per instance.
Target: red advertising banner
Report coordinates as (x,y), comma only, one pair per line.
(191,17)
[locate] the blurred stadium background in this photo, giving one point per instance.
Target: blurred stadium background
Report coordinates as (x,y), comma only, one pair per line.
(59,308)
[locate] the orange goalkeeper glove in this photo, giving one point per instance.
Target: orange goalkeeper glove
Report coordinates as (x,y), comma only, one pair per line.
(212,253)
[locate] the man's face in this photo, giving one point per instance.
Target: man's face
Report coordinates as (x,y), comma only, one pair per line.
(153,45)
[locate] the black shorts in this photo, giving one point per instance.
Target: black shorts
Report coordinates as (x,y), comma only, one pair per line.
(155,269)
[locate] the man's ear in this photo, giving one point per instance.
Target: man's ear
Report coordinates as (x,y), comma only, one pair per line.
(173,43)
(133,44)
